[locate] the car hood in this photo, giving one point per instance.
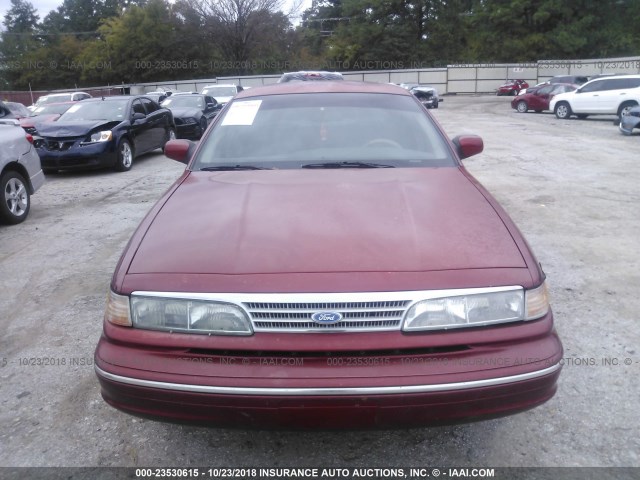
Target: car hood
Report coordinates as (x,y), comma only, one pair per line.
(222,99)
(184,112)
(292,221)
(73,129)
(32,121)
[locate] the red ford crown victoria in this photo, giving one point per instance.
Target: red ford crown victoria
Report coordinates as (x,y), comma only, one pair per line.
(325,261)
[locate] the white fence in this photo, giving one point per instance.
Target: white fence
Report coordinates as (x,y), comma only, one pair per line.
(454,79)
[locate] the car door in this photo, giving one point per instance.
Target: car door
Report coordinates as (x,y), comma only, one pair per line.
(140,132)
(587,98)
(540,99)
(157,123)
(615,94)
(211,109)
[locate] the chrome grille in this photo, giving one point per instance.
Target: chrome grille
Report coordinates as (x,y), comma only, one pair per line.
(356,316)
(291,312)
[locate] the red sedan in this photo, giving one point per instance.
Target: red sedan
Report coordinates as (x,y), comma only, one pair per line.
(326,261)
(539,100)
(512,87)
(46,113)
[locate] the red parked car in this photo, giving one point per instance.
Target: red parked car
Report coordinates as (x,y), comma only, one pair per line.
(539,99)
(512,87)
(326,261)
(48,112)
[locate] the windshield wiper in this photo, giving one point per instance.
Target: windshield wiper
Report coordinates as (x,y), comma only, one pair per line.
(346,165)
(232,167)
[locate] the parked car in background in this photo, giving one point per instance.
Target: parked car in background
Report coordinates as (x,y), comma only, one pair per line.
(104,132)
(45,113)
(191,113)
(603,96)
(20,172)
(540,98)
(13,110)
(60,97)
(630,121)
(222,93)
(512,87)
(157,97)
(310,76)
(427,95)
(566,79)
(326,261)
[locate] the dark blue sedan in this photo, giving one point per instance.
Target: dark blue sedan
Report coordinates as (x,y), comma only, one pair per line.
(104,132)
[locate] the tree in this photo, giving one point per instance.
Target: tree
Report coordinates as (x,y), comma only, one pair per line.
(236,27)
(18,39)
(137,46)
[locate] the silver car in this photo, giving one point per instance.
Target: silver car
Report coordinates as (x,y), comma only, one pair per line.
(20,172)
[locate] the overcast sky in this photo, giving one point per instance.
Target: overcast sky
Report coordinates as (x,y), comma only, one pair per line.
(45,6)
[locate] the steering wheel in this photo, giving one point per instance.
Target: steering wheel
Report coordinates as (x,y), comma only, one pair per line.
(382,142)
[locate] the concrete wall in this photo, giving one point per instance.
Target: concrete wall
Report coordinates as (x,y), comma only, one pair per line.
(463,79)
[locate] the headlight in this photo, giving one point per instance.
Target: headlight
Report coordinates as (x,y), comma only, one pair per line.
(189,316)
(101,136)
(477,309)
(537,302)
(117,311)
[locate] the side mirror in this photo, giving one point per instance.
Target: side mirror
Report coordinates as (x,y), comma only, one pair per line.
(180,150)
(468,145)
(138,116)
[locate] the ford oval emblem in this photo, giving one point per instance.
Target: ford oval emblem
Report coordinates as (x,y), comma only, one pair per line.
(326,318)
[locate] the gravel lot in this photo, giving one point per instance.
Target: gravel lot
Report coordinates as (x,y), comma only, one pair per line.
(571,186)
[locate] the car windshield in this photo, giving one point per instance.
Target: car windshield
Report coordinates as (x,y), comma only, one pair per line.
(220,91)
(17,109)
(293,131)
(310,76)
(53,98)
(51,109)
(113,110)
(189,101)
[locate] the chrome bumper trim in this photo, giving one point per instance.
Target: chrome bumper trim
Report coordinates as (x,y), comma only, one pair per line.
(402,389)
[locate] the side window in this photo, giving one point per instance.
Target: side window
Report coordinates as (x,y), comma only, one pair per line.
(3,112)
(546,90)
(615,84)
(596,86)
(210,101)
(149,105)
(633,82)
(138,107)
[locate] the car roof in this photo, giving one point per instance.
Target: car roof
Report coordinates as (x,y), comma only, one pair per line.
(61,94)
(323,87)
(113,98)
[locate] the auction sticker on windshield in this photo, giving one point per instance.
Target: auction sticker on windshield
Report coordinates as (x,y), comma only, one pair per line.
(242,113)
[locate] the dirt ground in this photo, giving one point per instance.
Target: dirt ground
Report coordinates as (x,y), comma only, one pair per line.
(573,188)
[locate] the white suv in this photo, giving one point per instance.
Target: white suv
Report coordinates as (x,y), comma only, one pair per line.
(603,96)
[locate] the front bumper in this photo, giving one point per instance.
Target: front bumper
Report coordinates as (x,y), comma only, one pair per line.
(190,131)
(628,123)
(77,156)
(398,387)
